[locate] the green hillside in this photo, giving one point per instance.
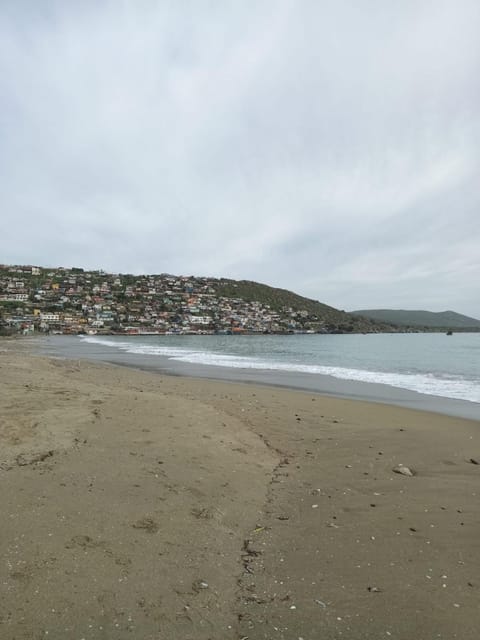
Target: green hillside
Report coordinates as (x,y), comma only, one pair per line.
(434,320)
(276,298)
(281,300)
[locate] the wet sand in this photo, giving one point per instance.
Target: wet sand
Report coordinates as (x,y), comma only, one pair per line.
(136,505)
(71,347)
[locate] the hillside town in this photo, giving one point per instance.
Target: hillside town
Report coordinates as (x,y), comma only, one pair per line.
(76,301)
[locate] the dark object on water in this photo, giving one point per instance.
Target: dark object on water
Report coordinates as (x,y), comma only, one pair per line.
(449,333)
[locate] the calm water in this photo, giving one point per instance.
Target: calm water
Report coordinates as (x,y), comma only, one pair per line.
(434,364)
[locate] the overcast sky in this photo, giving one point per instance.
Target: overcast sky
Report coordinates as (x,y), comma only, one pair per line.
(328,147)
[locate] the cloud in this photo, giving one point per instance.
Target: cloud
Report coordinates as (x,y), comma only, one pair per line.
(331,148)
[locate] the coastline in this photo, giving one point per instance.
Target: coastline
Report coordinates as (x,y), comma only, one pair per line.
(318,383)
(126,492)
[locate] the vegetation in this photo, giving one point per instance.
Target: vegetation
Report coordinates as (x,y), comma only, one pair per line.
(422,319)
(280,300)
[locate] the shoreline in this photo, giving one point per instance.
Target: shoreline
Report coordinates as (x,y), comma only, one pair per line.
(147,506)
(320,384)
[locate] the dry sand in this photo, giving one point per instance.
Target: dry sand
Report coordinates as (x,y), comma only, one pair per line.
(147,507)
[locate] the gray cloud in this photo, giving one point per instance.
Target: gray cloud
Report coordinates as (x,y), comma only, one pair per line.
(327,147)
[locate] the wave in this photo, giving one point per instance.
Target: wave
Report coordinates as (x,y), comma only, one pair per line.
(444,385)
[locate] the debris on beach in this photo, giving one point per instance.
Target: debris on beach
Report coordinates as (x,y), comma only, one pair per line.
(475,460)
(198,585)
(403,470)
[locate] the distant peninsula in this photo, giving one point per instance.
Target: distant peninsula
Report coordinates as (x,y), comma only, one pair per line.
(426,320)
(77,301)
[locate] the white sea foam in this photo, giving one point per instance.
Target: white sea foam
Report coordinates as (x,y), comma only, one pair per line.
(445,385)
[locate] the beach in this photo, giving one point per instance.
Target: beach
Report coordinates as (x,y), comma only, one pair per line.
(145,506)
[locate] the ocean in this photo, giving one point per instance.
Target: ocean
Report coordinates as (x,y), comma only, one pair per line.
(428,364)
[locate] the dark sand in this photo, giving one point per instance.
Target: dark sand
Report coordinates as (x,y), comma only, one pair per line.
(143,506)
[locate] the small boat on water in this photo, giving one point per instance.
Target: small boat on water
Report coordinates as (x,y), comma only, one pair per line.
(449,333)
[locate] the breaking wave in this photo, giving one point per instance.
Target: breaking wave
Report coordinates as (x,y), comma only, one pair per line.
(444,385)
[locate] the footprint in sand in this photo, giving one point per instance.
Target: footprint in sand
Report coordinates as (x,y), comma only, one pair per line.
(146,524)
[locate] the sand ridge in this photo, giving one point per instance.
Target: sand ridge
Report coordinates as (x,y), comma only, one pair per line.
(137,505)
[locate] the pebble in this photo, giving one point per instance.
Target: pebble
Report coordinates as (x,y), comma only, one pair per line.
(200,584)
(403,470)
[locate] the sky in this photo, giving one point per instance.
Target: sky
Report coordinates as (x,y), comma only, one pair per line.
(328,147)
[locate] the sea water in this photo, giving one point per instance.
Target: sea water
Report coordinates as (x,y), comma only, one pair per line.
(427,363)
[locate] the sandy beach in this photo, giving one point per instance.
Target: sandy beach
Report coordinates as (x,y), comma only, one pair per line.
(136,505)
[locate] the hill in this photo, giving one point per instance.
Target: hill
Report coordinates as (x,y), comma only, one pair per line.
(72,300)
(414,318)
(315,313)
